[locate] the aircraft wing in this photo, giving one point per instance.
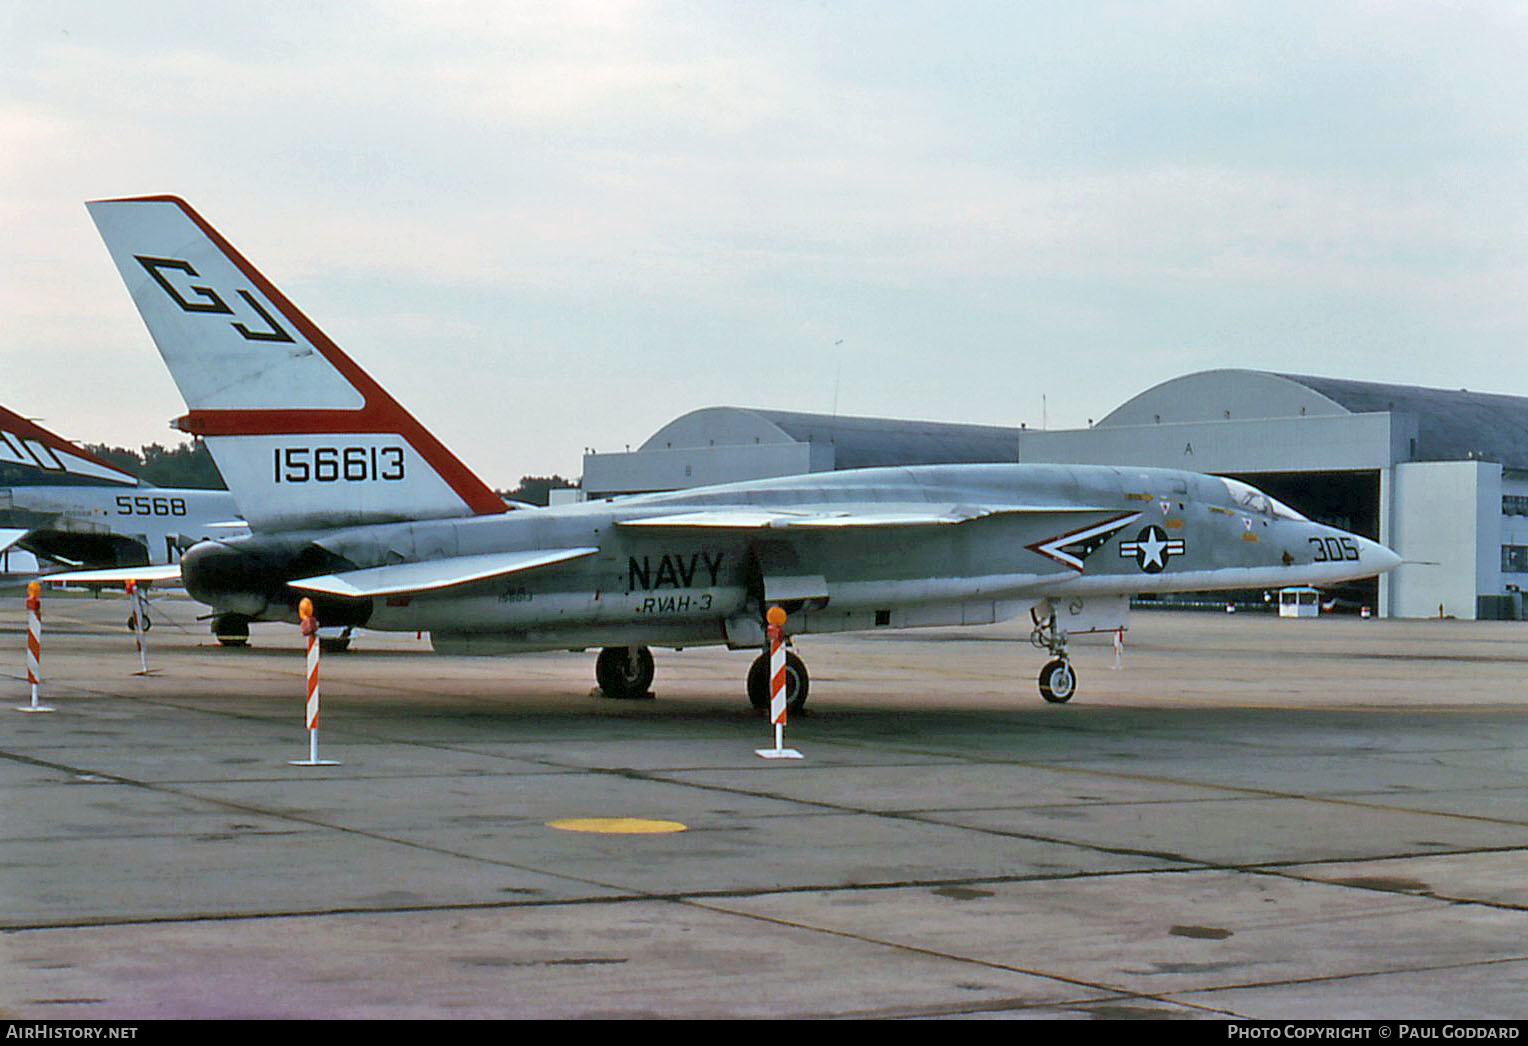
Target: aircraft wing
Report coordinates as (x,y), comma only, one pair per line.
(830,518)
(164,573)
(432,574)
(10,535)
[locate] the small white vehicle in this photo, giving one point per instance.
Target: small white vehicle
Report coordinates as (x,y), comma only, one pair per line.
(1299,601)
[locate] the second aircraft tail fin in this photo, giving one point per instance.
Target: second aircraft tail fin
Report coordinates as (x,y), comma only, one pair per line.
(28,444)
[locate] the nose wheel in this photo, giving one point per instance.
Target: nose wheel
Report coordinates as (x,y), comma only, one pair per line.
(1058,682)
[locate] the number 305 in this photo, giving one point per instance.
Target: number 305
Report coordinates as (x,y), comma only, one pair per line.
(1334,550)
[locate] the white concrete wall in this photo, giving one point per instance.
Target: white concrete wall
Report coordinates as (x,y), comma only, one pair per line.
(699,455)
(1446,526)
(1346,441)
(1514,527)
(684,467)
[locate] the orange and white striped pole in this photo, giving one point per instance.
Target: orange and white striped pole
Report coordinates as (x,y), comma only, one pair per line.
(310,633)
(775,634)
(34,646)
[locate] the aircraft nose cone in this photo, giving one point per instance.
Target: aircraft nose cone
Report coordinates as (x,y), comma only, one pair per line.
(1381,557)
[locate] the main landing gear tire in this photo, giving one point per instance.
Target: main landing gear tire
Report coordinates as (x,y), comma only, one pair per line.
(148,623)
(1058,682)
(624,672)
(231,630)
(797,683)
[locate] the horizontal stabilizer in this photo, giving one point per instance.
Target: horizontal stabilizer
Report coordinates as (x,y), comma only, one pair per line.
(432,574)
(820,519)
(164,573)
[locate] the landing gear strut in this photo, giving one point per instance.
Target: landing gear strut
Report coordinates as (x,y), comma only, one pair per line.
(1058,680)
(624,672)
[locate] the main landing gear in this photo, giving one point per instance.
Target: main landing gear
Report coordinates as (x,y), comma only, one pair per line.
(231,630)
(625,673)
(1058,680)
(797,682)
(337,643)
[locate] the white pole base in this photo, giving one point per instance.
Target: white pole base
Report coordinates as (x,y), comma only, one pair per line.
(34,706)
(778,753)
(313,759)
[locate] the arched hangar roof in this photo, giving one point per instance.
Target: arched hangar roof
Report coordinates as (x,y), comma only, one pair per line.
(1452,424)
(857,442)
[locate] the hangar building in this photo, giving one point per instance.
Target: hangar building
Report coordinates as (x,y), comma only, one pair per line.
(1439,475)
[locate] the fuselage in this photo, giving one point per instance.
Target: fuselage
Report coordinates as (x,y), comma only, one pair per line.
(116,525)
(1034,531)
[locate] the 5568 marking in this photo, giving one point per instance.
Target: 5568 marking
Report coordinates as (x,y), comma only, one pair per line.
(336,464)
(148,505)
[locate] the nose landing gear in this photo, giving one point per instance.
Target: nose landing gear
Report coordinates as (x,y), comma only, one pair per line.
(1058,680)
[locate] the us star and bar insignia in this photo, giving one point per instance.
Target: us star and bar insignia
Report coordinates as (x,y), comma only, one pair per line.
(1152,548)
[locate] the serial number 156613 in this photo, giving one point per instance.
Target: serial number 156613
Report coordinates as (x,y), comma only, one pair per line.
(337,464)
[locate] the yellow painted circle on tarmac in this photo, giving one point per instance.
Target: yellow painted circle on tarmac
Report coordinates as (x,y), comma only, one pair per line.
(616,825)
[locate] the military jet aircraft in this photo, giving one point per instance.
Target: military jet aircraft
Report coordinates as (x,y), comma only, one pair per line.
(62,503)
(351,502)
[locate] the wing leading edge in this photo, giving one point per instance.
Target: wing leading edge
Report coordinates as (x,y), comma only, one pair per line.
(434,574)
(163,573)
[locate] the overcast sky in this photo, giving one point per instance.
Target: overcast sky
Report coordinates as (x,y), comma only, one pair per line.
(551,226)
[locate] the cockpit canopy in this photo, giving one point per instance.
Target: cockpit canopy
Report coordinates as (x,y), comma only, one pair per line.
(1249,499)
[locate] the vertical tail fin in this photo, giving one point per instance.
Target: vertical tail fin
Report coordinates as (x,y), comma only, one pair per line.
(302,435)
(31,446)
